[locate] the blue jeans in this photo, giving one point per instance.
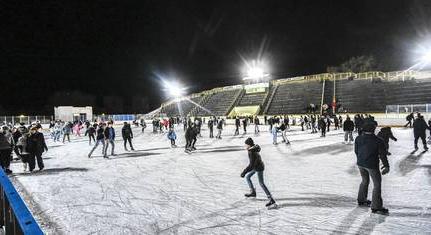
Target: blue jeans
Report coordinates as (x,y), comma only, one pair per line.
(261,182)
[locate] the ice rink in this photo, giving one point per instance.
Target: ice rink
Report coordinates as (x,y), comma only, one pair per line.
(162,190)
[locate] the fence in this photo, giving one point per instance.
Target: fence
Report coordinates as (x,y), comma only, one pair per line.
(25,119)
(408,108)
(14,214)
(117,117)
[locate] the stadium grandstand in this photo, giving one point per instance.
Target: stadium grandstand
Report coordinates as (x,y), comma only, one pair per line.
(365,92)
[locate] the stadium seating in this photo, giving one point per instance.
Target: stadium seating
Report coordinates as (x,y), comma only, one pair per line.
(252,99)
(185,106)
(294,97)
(219,103)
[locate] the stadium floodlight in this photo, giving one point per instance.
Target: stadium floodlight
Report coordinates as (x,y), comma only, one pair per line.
(255,71)
(426,56)
(174,89)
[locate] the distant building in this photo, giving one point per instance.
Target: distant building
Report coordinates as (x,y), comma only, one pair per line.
(70,113)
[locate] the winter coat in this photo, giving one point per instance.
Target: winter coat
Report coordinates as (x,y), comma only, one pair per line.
(420,126)
(91,131)
(220,125)
(190,133)
(348,125)
(5,141)
(255,159)
(107,131)
(67,128)
(36,143)
(100,134)
(386,133)
(172,135)
(237,122)
(16,135)
(322,123)
(127,132)
(282,127)
(369,149)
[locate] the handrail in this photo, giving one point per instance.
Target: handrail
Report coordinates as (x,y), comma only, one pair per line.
(14,214)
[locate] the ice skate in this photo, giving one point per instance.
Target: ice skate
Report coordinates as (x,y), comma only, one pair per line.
(251,194)
(271,204)
(382,211)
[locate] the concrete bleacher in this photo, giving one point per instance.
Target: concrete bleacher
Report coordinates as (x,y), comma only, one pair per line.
(186,106)
(218,103)
(294,97)
(252,99)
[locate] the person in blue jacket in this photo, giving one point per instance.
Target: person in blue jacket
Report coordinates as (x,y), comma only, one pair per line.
(172,136)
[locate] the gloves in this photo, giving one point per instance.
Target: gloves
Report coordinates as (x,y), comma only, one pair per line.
(385,170)
(242,175)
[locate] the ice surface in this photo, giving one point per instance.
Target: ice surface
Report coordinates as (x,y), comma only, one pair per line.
(160,190)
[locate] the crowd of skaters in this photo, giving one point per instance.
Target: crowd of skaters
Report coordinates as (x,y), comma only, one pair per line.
(28,142)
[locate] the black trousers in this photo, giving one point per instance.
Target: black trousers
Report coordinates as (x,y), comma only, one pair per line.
(423,138)
(5,157)
(91,137)
(376,177)
(33,157)
(68,137)
(211,132)
(128,139)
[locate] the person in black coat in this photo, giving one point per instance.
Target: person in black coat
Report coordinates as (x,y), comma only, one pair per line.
(91,131)
(322,126)
(369,149)
(211,127)
(244,125)
(237,125)
(386,133)
(419,131)
(255,166)
(100,139)
(127,134)
(409,119)
(348,128)
(36,146)
(189,136)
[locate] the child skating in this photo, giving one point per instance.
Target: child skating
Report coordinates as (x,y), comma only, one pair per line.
(172,136)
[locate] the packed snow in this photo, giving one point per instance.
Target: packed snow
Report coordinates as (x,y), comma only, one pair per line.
(162,190)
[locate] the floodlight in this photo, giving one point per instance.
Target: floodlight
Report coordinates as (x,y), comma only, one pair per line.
(173,89)
(255,70)
(426,56)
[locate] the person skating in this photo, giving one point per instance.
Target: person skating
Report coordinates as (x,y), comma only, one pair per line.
(322,126)
(348,129)
(190,137)
(109,139)
(91,131)
(256,125)
(211,127)
(127,134)
(328,123)
(255,165)
(244,125)
(36,146)
(6,144)
(409,119)
(237,125)
(283,130)
(313,124)
(67,128)
(22,148)
(386,133)
(172,136)
(369,149)
(16,134)
(100,139)
(274,133)
(336,123)
(419,131)
(219,128)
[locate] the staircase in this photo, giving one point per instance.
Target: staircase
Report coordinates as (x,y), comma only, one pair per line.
(235,101)
(267,101)
(196,109)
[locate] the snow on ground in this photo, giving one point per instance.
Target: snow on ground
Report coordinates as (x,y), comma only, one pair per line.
(160,190)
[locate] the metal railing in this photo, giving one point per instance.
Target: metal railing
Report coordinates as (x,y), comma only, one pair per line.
(15,218)
(27,120)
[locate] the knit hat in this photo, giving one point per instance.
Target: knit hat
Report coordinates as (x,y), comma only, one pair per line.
(249,141)
(369,126)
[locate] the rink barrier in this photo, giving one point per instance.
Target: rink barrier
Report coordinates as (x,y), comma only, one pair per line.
(15,217)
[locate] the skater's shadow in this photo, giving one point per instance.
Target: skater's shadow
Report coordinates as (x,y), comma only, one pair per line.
(349,220)
(53,171)
(353,170)
(332,149)
(410,163)
(222,149)
(370,223)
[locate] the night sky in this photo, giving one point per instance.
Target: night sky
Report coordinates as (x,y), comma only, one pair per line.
(109,54)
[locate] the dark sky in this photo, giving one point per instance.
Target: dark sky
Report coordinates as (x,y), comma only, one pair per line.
(108,52)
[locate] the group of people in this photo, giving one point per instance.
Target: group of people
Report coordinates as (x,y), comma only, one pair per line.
(28,144)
